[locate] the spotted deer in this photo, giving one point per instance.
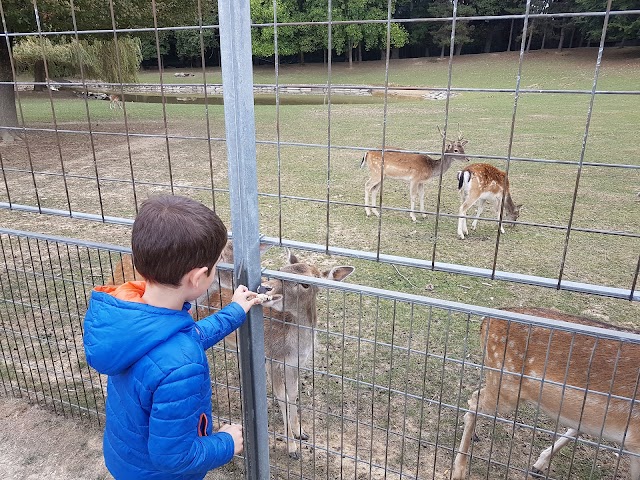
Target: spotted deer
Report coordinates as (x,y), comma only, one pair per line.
(115,102)
(479,183)
(413,168)
(289,335)
(586,384)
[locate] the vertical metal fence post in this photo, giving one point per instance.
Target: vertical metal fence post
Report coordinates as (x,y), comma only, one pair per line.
(237,84)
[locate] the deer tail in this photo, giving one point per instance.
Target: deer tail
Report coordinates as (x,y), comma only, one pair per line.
(464,176)
(364,160)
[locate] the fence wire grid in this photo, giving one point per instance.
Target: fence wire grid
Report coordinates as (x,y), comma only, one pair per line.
(389,384)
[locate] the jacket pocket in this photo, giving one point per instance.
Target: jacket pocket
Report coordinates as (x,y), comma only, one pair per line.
(203,423)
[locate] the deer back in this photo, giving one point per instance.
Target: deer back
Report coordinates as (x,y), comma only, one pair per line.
(570,365)
(482,180)
(413,166)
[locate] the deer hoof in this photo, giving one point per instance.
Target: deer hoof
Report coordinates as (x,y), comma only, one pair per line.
(294,455)
(535,473)
(302,436)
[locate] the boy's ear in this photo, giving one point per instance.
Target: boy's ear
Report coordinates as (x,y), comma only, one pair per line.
(197,275)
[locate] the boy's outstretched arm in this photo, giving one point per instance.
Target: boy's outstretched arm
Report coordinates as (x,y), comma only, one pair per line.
(217,326)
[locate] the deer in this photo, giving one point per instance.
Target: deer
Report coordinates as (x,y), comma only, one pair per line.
(479,183)
(289,328)
(414,168)
(115,102)
(289,335)
(588,385)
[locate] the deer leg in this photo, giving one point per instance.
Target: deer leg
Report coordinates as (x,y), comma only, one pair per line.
(277,375)
(293,389)
(421,194)
(481,401)
(462,221)
(374,189)
(544,460)
(462,460)
(368,186)
(634,471)
(478,212)
(498,208)
(413,191)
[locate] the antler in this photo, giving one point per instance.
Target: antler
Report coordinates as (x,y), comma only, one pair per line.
(440,131)
(460,136)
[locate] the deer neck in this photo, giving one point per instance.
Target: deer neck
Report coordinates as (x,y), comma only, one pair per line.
(304,314)
(443,164)
(508,203)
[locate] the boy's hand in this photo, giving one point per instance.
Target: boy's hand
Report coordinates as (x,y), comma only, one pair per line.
(235,430)
(245,298)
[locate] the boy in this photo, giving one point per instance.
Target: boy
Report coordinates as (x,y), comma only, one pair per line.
(140,334)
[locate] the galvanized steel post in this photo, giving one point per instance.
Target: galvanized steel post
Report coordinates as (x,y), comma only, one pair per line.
(237,84)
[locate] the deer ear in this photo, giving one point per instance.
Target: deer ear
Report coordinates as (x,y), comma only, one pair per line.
(338,273)
(275,303)
(291,258)
(264,247)
(447,146)
(464,142)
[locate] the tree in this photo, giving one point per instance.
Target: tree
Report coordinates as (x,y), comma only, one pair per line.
(372,35)
(441,31)
(58,15)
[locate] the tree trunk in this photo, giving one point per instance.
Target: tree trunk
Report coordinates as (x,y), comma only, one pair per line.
(510,35)
(360,52)
(488,41)
(8,112)
(544,37)
(530,36)
(442,52)
(573,31)
(561,41)
(395,53)
(459,49)
(39,75)
(301,58)
(350,53)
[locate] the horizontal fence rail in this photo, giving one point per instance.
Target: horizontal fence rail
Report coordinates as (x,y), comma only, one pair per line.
(384,390)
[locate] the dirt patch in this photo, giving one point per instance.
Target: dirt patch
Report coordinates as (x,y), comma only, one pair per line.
(36,443)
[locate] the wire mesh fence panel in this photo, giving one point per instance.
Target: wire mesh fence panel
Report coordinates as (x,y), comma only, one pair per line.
(364,383)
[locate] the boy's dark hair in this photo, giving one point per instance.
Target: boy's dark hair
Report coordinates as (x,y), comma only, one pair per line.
(172,235)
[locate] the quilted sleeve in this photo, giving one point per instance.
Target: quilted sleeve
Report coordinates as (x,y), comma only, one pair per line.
(217,326)
(174,443)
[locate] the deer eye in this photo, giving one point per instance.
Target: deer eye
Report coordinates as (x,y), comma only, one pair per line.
(304,285)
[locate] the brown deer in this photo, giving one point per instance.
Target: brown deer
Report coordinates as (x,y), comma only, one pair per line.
(589,385)
(115,102)
(481,182)
(414,168)
(289,335)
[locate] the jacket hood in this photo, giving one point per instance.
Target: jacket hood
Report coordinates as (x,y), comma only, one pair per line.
(119,329)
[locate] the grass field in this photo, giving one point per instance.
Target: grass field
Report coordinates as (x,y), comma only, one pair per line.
(305,172)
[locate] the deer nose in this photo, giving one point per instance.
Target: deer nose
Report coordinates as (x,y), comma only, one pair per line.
(264,288)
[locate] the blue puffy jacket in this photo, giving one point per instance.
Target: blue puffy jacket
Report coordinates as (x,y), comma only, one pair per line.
(158,410)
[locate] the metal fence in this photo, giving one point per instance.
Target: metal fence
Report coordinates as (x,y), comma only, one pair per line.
(385,391)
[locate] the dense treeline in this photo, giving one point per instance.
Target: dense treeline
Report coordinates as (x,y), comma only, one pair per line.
(413,34)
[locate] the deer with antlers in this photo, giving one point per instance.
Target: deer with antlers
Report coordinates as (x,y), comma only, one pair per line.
(588,384)
(479,183)
(414,168)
